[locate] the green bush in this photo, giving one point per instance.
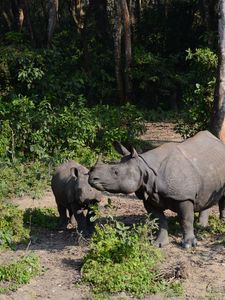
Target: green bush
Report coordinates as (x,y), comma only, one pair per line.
(74,131)
(20,272)
(122,259)
(12,230)
(199,94)
(20,179)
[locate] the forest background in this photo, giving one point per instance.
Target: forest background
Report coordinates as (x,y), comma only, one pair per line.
(76,75)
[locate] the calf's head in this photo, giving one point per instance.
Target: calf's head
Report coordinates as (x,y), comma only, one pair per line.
(122,177)
(82,191)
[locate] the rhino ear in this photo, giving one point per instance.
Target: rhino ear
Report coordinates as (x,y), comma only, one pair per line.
(74,172)
(120,148)
(134,153)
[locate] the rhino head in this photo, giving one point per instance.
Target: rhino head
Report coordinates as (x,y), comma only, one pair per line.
(81,189)
(124,177)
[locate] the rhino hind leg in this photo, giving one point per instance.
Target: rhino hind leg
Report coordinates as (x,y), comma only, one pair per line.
(186,217)
(222,208)
(204,217)
(162,237)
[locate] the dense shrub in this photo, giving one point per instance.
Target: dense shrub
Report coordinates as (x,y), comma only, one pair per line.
(42,131)
(199,93)
(122,259)
(12,230)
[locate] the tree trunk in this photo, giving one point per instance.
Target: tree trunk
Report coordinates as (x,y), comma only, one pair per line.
(218,119)
(127,47)
(117,50)
(52,18)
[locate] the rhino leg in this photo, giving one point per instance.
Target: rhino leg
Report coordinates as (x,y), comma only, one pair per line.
(162,238)
(72,218)
(186,216)
(89,223)
(222,208)
(63,220)
(204,217)
(80,218)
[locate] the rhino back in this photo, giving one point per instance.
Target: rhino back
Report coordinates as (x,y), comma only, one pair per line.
(194,170)
(155,157)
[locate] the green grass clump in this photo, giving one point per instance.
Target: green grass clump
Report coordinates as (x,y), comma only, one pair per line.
(18,273)
(122,259)
(12,230)
(41,217)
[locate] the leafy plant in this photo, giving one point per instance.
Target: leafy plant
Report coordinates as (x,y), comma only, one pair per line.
(20,272)
(12,230)
(198,97)
(122,259)
(19,179)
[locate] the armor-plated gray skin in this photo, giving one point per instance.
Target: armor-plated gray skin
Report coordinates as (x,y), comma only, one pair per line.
(184,177)
(73,193)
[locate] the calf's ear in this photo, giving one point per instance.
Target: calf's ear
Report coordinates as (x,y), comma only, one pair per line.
(74,172)
(120,148)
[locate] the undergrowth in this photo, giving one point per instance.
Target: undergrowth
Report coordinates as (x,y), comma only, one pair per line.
(12,230)
(20,179)
(20,272)
(122,259)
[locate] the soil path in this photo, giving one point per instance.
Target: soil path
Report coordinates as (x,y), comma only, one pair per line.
(201,269)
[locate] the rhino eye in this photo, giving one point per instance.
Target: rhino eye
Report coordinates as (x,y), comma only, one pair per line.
(116,172)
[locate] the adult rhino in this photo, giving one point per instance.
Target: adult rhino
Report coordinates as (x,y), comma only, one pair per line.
(184,177)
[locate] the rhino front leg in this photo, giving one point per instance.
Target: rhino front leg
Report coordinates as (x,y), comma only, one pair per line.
(204,217)
(222,208)
(186,217)
(63,220)
(162,238)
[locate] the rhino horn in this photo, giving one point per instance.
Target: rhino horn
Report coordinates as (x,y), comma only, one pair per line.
(120,148)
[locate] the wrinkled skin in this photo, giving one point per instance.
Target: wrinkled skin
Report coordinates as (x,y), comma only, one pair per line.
(73,193)
(184,177)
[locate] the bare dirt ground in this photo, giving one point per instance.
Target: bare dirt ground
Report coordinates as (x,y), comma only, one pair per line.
(202,269)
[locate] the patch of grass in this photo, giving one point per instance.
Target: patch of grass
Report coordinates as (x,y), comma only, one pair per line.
(122,259)
(41,217)
(12,230)
(20,272)
(215,227)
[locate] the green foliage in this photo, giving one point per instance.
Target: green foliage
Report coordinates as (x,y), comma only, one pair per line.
(156,78)
(198,98)
(19,179)
(41,217)
(122,123)
(12,230)
(20,272)
(122,259)
(74,131)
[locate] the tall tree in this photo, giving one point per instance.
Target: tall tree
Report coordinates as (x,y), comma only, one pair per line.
(52,18)
(218,119)
(122,49)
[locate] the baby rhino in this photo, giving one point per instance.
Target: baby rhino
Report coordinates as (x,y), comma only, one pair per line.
(73,193)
